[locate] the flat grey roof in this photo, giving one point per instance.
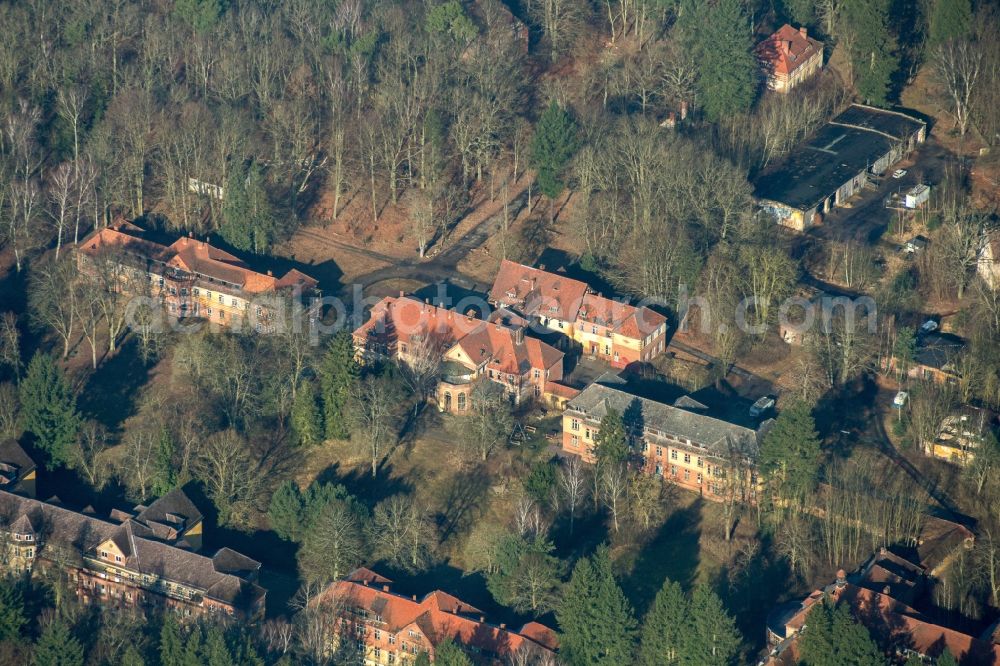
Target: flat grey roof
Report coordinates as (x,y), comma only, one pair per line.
(840,150)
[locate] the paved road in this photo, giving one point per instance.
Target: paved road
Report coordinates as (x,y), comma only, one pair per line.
(441,267)
(867,219)
(933,490)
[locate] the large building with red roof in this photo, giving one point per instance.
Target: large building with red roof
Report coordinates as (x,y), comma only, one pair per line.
(789,57)
(392,628)
(610,330)
(192,278)
(881,595)
(464,348)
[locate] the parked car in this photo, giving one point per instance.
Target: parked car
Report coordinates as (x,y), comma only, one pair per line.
(898,173)
(900,400)
(929,326)
(761,406)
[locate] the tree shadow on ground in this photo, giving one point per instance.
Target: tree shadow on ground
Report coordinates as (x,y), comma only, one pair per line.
(673,553)
(590,529)
(359,482)
(463,501)
(750,587)
(110,393)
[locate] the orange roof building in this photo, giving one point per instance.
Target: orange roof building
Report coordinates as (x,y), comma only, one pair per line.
(469,349)
(611,330)
(391,628)
(879,596)
(789,57)
(193,278)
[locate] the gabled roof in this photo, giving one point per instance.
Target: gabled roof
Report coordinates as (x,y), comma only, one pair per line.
(438,616)
(193,256)
(14,461)
(620,317)
(661,419)
(787,49)
(938,350)
(409,319)
(501,348)
(536,292)
(168,516)
(144,552)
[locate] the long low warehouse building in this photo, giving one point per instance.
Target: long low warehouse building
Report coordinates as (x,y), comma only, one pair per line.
(836,163)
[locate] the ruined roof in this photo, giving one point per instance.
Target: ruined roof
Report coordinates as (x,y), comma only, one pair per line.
(11,453)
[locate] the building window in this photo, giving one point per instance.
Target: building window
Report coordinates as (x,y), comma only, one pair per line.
(195,290)
(687,458)
(673,454)
(378,635)
(593,329)
(645,446)
(586,433)
(659,470)
(607,350)
(659,451)
(461,401)
(392,639)
(687,475)
(673,470)
(222,315)
(537,373)
(234,302)
(574,440)
(574,424)
(699,478)
(700,462)
(118,558)
(222,299)
(209,310)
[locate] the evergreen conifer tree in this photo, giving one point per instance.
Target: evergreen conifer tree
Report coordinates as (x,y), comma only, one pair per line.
(710,635)
(307,416)
(12,618)
(48,406)
(248,220)
(790,453)
(597,621)
(872,47)
(214,651)
(57,646)
(718,37)
(171,647)
(834,638)
(338,374)
(663,626)
(554,143)
(949,19)
(286,511)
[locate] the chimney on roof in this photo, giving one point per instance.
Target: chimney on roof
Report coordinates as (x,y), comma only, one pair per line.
(270,273)
(785,46)
(400,293)
(365,581)
(503,626)
(385,588)
(482,619)
(886,590)
(414,597)
(841,578)
(191,234)
(804,32)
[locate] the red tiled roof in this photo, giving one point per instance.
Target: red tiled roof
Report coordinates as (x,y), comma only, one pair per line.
(787,49)
(892,621)
(438,616)
(407,317)
(194,256)
(561,390)
(537,292)
(499,345)
(620,317)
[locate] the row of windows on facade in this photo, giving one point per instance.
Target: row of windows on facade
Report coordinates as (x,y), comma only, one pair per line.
(575,425)
(107,590)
